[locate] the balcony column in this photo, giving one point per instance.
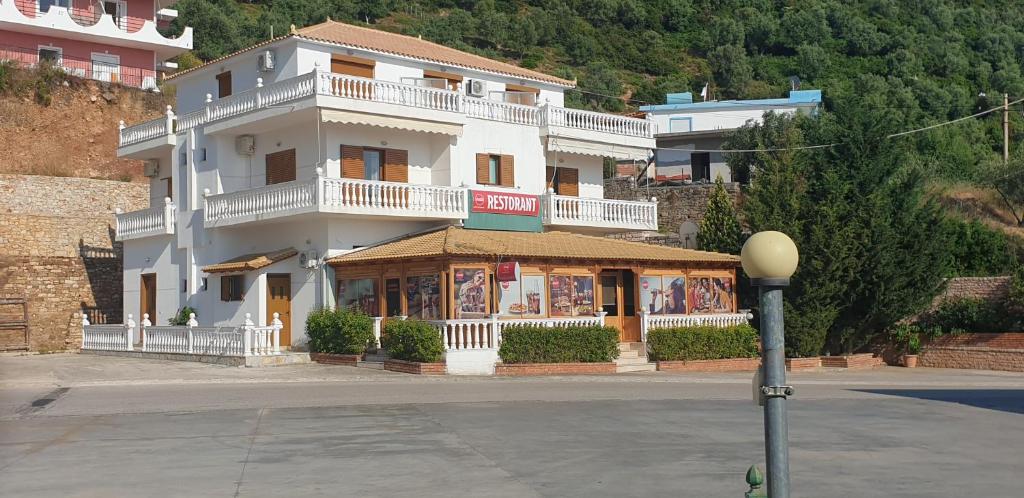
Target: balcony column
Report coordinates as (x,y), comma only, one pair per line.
(259,94)
(170,120)
(168,215)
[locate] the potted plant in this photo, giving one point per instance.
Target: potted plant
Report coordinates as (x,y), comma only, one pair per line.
(908,338)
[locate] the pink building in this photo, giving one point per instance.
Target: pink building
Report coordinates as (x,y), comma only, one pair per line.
(107,40)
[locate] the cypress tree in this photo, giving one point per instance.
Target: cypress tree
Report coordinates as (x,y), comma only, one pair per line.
(720,229)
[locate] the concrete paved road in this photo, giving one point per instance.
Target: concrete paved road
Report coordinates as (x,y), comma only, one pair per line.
(93,426)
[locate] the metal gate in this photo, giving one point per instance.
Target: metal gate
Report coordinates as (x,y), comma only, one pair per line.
(13,324)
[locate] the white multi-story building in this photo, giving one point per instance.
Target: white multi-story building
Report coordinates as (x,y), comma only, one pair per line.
(286,156)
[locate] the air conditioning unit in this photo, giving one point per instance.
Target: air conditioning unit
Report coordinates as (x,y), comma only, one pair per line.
(266,61)
(308,259)
(477,88)
(151,168)
(245,145)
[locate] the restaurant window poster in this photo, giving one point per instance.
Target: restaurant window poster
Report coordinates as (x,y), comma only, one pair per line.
(651,295)
(510,299)
(470,292)
(359,294)
(723,292)
(675,294)
(534,296)
(561,295)
(423,295)
(583,296)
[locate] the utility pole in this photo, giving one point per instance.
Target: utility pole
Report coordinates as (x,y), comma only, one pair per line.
(1006,128)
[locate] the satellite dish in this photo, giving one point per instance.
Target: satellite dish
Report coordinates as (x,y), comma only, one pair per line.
(688,235)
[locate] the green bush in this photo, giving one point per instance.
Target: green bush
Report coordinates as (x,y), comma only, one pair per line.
(181,319)
(339,331)
(702,343)
(525,344)
(413,340)
(968,315)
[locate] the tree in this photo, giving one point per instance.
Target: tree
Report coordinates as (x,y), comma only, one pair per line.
(720,229)
(731,68)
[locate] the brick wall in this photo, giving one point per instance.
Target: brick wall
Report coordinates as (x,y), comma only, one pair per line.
(675,205)
(57,249)
(988,288)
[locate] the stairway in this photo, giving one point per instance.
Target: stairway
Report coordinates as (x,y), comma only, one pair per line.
(374,360)
(633,358)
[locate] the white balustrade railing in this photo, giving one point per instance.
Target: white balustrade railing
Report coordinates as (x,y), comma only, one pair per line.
(246,340)
(279,198)
(354,87)
(597,121)
(609,213)
(159,127)
(486,333)
(147,222)
(400,199)
(650,321)
(501,111)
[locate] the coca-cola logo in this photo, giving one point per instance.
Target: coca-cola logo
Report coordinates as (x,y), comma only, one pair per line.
(644,284)
(479,200)
(505,285)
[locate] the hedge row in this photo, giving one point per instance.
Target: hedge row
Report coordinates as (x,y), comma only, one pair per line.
(412,340)
(702,343)
(525,344)
(339,331)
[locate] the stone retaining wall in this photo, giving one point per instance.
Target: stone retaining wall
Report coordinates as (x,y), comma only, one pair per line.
(57,250)
(412,367)
(517,369)
(975,351)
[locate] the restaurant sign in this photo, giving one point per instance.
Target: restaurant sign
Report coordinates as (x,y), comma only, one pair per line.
(505,203)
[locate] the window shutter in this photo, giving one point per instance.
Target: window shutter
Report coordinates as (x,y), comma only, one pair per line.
(352,162)
(396,165)
(225,288)
(482,174)
(280,166)
(224,84)
(507,175)
(549,178)
(569,181)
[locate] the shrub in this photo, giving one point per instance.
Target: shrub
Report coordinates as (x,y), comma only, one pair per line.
(339,331)
(907,337)
(702,343)
(526,344)
(181,319)
(413,340)
(967,315)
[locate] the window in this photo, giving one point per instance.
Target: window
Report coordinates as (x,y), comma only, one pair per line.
(359,294)
(224,84)
(372,167)
(572,295)
(44,5)
(231,287)
(106,67)
(470,292)
(116,10)
(423,297)
(53,55)
(451,80)
(707,294)
(280,166)
(352,66)
(524,297)
(495,169)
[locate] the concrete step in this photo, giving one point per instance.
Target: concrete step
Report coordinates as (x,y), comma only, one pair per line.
(631,346)
(629,354)
(375,365)
(376,358)
(642,367)
(631,361)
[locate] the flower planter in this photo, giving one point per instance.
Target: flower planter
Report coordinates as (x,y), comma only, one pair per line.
(910,360)
(722,365)
(853,361)
(802,364)
(414,367)
(517,369)
(336,359)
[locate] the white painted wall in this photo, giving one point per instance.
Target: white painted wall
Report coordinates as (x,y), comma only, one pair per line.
(152,255)
(717,118)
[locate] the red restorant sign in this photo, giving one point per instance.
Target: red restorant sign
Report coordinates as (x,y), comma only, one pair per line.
(505,203)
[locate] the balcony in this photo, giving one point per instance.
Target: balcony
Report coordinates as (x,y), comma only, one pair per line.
(150,222)
(336,196)
(24,16)
(431,109)
(604,214)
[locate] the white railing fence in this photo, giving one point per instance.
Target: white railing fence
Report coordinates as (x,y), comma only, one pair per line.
(354,87)
(246,340)
(569,210)
(299,194)
(650,321)
(153,221)
(345,194)
(501,111)
(149,130)
(597,121)
(486,333)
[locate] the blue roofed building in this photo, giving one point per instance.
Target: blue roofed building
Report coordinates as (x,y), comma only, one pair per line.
(691,132)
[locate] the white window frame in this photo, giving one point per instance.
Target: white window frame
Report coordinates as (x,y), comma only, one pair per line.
(121,19)
(109,59)
(59,50)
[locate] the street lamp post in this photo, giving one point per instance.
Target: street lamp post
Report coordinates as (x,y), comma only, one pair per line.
(769,259)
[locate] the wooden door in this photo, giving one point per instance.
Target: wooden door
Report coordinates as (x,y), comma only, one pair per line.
(630,319)
(147,297)
(618,299)
(610,299)
(279,300)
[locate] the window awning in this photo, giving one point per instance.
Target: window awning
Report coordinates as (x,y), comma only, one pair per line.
(573,146)
(251,261)
(350,117)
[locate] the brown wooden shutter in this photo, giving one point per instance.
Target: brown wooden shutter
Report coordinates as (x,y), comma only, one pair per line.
(225,288)
(352,162)
(507,171)
(352,66)
(224,84)
(483,175)
(569,181)
(281,167)
(170,187)
(396,165)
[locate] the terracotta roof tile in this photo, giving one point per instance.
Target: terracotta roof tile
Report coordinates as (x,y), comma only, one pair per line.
(454,241)
(397,44)
(251,261)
